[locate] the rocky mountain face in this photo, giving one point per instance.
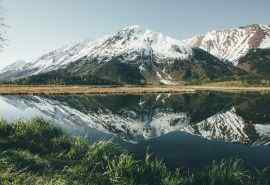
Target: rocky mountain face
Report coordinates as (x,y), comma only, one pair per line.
(132,55)
(232,44)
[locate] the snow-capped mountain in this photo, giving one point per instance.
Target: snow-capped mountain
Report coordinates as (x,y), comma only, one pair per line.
(232,44)
(132,41)
(48,62)
(146,55)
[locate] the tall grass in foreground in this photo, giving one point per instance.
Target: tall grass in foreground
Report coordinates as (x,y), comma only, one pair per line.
(34,152)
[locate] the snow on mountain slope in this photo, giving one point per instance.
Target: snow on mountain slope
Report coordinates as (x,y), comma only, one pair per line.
(57,58)
(16,66)
(232,44)
(265,43)
(132,41)
(266,40)
(141,41)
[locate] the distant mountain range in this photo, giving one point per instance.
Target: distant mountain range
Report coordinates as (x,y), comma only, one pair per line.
(135,55)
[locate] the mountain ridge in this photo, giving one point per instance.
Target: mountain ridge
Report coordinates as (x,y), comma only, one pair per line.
(134,55)
(132,41)
(233,43)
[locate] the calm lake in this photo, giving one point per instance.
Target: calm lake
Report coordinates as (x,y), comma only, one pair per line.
(182,129)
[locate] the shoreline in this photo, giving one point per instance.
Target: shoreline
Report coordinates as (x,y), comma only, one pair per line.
(80,89)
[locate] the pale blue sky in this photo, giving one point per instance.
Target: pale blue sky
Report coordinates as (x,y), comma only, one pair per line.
(38,26)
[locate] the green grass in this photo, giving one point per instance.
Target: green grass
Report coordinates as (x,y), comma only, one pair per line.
(35,152)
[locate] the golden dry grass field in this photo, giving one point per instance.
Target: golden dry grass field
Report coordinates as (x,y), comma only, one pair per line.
(78,89)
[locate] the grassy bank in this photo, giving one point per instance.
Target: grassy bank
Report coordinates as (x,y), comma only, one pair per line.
(34,152)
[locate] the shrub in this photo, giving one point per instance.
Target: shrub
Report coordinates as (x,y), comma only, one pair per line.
(34,152)
(225,172)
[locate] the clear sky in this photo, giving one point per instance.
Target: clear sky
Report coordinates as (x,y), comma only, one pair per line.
(38,26)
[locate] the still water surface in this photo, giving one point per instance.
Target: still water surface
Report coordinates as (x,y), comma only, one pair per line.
(182,129)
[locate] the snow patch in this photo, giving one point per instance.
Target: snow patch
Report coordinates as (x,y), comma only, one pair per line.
(265,43)
(165,81)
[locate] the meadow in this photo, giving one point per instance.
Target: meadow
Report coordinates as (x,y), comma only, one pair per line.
(126,89)
(35,152)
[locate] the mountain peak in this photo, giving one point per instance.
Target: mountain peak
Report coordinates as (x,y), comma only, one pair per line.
(136,39)
(246,27)
(231,44)
(136,32)
(132,27)
(255,27)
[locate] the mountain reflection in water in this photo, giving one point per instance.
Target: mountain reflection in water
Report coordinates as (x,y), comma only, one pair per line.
(165,122)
